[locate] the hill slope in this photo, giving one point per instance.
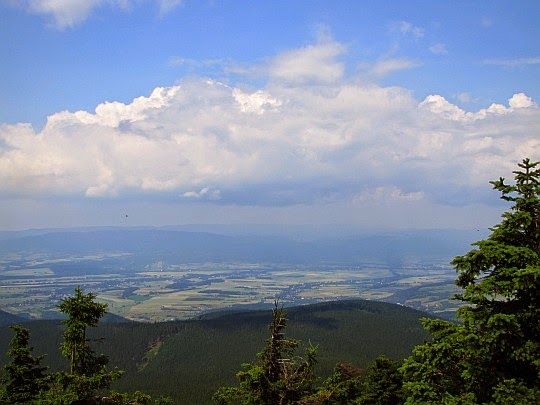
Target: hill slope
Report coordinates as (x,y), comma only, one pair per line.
(189,360)
(7,319)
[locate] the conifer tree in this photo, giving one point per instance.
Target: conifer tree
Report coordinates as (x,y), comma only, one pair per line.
(383,384)
(24,376)
(24,380)
(279,376)
(87,370)
(343,387)
(493,355)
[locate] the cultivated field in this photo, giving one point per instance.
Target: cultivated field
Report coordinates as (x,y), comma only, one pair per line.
(161,290)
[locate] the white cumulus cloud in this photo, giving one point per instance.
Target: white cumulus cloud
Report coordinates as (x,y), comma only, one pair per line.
(318,139)
(521,100)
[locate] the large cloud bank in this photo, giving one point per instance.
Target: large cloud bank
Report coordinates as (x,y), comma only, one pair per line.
(310,135)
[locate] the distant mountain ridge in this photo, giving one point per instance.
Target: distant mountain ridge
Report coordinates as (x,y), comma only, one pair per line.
(191,246)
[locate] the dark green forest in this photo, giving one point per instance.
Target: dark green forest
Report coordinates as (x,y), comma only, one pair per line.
(345,352)
(189,360)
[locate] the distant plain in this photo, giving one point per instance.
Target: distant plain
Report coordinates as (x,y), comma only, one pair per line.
(156,274)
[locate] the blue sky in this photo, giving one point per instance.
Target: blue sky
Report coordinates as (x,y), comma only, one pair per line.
(378,114)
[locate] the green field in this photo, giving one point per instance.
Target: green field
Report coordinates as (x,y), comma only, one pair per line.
(160,291)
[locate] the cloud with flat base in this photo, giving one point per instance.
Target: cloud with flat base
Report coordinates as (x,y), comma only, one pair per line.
(303,138)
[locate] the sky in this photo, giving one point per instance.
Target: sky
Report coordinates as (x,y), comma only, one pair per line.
(386,114)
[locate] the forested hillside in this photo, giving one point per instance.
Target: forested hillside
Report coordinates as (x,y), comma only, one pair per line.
(189,360)
(9,319)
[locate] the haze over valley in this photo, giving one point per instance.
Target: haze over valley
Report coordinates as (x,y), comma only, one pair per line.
(153,274)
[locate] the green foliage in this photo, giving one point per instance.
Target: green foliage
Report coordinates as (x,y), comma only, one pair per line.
(341,388)
(493,356)
(138,398)
(194,358)
(211,349)
(279,376)
(24,376)
(383,384)
(88,371)
(25,382)
(83,312)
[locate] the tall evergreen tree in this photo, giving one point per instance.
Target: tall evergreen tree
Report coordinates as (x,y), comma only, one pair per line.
(493,355)
(24,376)
(279,376)
(87,370)
(83,312)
